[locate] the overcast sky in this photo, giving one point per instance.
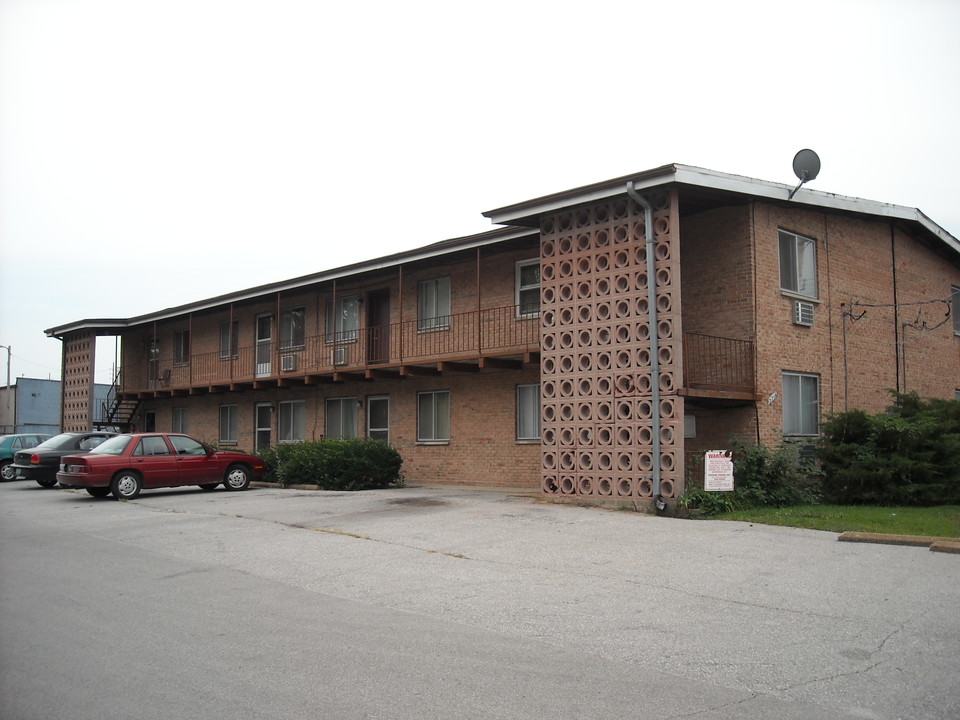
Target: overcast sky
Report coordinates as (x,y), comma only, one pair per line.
(157,153)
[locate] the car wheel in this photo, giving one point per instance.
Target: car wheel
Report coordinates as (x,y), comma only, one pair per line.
(238,478)
(99,492)
(126,485)
(209,486)
(6,471)
(46,482)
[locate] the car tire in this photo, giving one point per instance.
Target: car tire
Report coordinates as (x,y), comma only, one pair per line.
(6,470)
(209,486)
(237,478)
(126,485)
(46,482)
(99,492)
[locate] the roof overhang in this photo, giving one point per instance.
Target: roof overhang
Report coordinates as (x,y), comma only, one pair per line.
(527,213)
(114,326)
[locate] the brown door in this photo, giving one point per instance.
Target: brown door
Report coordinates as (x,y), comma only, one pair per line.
(378,326)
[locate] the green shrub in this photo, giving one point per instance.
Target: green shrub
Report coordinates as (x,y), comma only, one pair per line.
(762,477)
(909,455)
(347,464)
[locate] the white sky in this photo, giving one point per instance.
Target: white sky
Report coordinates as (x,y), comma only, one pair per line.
(157,153)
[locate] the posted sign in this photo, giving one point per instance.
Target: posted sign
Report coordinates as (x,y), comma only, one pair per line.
(718,471)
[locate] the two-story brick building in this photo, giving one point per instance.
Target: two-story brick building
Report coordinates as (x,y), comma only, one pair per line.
(590,346)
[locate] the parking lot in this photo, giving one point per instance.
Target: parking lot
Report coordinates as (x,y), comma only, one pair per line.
(591,612)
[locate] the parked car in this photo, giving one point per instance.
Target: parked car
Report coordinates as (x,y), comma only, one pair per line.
(42,462)
(9,444)
(126,464)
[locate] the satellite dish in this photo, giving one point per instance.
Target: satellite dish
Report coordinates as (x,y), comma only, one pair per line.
(806,166)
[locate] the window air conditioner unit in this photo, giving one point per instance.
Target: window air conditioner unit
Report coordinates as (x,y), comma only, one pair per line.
(288,363)
(340,356)
(802,313)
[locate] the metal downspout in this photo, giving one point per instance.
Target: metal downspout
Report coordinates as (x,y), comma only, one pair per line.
(654,342)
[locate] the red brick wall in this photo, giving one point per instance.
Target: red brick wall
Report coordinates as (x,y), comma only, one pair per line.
(482,450)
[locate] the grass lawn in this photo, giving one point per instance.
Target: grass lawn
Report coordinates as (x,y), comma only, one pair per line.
(941,521)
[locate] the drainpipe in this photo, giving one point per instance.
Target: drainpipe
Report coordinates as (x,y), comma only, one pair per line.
(654,343)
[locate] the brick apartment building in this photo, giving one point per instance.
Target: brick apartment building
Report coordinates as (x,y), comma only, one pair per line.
(594,345)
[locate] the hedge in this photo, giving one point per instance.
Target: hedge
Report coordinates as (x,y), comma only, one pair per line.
(344,464)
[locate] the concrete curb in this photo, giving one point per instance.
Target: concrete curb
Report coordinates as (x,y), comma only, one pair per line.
(936,544)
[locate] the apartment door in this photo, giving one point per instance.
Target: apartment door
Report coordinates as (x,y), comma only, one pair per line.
(264,349)
(264,421)
(378,326)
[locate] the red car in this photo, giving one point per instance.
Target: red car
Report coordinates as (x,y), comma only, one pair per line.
(126,464)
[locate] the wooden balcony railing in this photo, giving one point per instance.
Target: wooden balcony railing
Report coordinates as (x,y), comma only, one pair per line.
(464,336)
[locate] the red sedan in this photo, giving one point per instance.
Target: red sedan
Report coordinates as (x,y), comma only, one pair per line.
(126,464)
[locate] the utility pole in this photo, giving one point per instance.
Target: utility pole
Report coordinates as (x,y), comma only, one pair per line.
(8,377)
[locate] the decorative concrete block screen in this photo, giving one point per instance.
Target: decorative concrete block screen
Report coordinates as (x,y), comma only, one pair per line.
(79,350)
(595,351)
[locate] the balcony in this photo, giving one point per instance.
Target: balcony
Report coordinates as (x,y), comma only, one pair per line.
(466,342)
(718,368)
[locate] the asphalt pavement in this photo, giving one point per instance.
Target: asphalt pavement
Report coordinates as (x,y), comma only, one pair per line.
(495,604)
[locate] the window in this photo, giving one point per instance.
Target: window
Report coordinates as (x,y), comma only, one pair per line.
(528,288)
(291,421)
(341,417)
(528,412)
(801,404)
(433,308)
(292,328)
(955,309)
(229,339)
(228,423)
(152,445)
(343,319)
(179,424)
(187,445)
(433,416)
(798,264)
(181,347)
(378,418)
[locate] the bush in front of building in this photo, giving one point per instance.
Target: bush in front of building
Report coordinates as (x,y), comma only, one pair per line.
(343,464)
(909,455)
(763,476)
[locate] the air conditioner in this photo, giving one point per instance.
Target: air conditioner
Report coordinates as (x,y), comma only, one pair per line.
(288,363)
(340,356)
(802,313)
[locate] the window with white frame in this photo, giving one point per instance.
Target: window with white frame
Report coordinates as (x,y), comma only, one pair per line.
(528,411)
(292,328)
(801,404)
(433,304)
(378,417)
(528,288)
(433,416)
(341,417)
(798,264)
(291,421)
(180,424)
(181,347)
(228,423)
(955,309)
(343,319)
(229,339)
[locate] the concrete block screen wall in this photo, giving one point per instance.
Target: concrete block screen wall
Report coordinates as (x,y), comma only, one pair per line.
(596,378)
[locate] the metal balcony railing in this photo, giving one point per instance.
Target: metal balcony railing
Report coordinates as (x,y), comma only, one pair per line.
(485,333)
(718,363)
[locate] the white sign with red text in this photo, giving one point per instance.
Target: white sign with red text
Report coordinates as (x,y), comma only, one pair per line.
(718,471)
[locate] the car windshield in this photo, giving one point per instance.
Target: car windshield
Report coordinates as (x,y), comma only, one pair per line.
(58,442)
(113,446)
